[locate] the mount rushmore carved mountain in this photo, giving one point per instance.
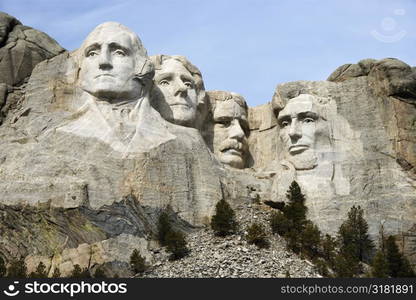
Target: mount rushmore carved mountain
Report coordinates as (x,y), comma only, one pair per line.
(96,142)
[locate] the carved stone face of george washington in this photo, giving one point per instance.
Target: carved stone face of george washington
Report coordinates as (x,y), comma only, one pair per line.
(109,65)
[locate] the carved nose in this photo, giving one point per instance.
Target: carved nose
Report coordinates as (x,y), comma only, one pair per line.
(295,132)
(104,61)
(180,88)
(236,131)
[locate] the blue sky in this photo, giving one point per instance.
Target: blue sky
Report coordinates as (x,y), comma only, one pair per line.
(243,46)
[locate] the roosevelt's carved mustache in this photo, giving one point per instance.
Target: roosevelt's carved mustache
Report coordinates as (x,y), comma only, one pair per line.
(231,144)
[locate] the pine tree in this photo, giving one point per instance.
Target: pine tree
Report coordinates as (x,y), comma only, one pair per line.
(328,249)
(310,239)
(99,272)
(3,268)
(399,266)
(86,273)
(346,266)
(379,265)
(17,269)
(293,241)
(164,227)
(173,240)
(406,270)
(279,223)
(137,262)
(257,235)
(295,211)
(40,271)
(353,236)
(77,272)
(56,273)
(223,222)
(176,244)
(321,266)
(394,257)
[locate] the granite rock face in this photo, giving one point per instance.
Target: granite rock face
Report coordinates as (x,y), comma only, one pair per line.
(89,158)
(62,147)
(367,111)
(21,49)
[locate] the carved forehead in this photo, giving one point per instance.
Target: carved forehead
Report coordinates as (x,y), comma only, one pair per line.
(301,104)
(114,31)
(173,66)
(159,61)
(217,97)
(229,108)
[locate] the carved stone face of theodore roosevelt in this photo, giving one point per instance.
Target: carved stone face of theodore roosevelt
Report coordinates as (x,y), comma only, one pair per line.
(230,128)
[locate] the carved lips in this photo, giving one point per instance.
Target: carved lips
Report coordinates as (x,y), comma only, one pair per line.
(234,148)
(295,149)
(104,75)
(185,104)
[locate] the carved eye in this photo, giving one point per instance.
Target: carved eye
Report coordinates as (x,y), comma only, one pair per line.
(188,84)
(224,123)
(92,53)
(308,120)
(119,52)
(164,82)
(284,124)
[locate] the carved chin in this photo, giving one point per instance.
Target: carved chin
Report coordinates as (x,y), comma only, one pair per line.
(304,161)
(232,160)
(109,91)
(182,115)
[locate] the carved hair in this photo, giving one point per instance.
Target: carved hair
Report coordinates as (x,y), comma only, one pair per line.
(158,60)
(215,96)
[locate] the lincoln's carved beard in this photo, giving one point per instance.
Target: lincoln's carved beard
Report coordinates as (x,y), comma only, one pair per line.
(305,161)
(312,157)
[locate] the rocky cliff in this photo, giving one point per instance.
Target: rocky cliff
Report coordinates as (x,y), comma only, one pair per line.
(73,193)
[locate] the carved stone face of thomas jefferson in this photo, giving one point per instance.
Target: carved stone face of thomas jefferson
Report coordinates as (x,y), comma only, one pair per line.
(300,127)
(109,63)
(230,131)
(178,89)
